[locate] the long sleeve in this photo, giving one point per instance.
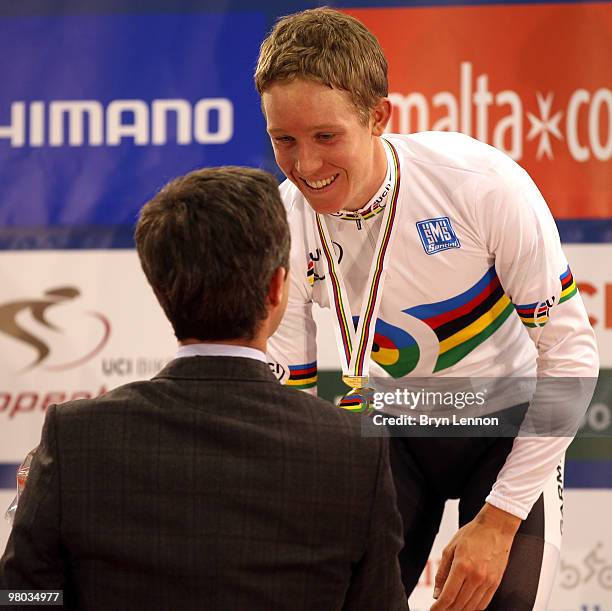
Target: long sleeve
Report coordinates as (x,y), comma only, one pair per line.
(534,272)
(292,350)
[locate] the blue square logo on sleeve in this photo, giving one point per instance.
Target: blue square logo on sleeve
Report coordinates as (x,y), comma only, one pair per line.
(437,235)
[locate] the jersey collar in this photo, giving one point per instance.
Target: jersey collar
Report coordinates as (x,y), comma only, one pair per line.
(379,200)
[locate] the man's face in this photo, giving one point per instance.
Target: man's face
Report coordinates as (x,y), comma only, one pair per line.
(322,146)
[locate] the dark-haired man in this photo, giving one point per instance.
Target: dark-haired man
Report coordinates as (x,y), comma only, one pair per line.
(210,486)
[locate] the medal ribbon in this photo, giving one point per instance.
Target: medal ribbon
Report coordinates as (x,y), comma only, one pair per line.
(355,346)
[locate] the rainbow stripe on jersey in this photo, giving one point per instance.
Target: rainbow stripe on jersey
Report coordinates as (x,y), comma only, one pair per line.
(463,322)
(568,285)
(536,314)
(533,314)
(303,376)
(364,216)
(395,350)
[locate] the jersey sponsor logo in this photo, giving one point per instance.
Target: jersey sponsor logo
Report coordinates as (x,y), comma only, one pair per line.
(379,202)
(437,234)
(560,493)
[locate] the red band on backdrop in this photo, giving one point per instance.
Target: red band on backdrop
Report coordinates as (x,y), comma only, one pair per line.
(535,81)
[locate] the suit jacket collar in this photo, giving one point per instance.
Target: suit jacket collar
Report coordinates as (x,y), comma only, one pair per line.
(217,368)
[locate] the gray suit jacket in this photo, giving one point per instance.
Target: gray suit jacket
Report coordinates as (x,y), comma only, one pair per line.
(210,486)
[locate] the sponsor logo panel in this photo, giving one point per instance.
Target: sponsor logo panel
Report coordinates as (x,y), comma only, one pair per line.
(591,270)
(103,120)
(95,326)
(511,76)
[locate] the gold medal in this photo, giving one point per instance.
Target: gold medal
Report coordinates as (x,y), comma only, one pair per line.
(358,400)
(355,382)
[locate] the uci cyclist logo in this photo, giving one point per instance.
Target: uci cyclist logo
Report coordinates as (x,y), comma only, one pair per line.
(543,311)
(13,324)
(278,370)
(311,275)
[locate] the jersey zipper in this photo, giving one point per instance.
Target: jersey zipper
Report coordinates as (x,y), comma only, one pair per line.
(361,223)
(370,236)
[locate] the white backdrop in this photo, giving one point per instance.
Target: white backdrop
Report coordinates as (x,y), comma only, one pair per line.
(137,340)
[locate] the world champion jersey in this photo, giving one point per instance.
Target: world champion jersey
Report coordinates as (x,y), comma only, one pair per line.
(477,284)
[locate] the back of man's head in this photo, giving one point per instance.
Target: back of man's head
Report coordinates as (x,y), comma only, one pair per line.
(209,243)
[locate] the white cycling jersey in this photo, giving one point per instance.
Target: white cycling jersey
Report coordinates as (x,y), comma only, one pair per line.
(477,285)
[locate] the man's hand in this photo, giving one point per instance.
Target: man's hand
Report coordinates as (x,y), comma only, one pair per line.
(474,561)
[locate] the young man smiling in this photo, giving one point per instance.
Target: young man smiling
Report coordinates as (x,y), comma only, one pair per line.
(438,257)
(326,149)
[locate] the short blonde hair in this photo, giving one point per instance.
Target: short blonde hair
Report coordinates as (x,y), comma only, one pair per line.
(329,47)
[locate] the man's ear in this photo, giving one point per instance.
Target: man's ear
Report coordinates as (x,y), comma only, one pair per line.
(381,113)
(276,287)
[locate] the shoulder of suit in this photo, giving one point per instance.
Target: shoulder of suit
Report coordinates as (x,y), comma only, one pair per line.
(327,414)
(119,398)
(138,395)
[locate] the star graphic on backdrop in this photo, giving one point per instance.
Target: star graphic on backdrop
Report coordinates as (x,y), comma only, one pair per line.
(544,126)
